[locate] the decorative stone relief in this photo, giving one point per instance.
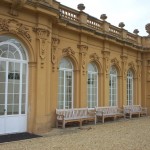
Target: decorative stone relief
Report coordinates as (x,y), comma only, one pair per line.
(148,62)
(68,51)
(124,64)
(16,6)
(42,35)
(131,65)
(115,61)
(106,55)
(94,56)
(14,26)
(139,66)
(83,52)
(55,42)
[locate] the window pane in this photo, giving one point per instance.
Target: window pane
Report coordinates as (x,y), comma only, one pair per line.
(2,87)
(2,99)
(2,107)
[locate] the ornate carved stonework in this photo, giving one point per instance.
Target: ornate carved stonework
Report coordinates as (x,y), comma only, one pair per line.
(106,55)
(42,35)
(83,52)
(14,26)
(94,56)
(68,51)
(139,66)
(55,42)
(16,6)
(115,61)
(148,62)
(124,64)
(131,65)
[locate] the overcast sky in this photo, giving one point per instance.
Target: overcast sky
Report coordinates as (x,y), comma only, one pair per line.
(134,13)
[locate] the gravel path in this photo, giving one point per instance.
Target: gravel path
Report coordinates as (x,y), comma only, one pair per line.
(131,134)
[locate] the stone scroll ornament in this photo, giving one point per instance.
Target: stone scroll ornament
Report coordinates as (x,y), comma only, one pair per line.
(83,52)
(42,35)
(55,43)
(15,27)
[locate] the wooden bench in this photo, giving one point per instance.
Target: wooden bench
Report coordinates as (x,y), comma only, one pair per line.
(72,115)
(107,112)
(130,110)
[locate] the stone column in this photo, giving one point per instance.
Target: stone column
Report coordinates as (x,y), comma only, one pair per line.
(106,67)
(83,75)
(42,112)
(124,79)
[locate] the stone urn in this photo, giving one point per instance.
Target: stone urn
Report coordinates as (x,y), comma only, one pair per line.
(103,17)
(136,31)
(121,25)
(147,27)
(81,7)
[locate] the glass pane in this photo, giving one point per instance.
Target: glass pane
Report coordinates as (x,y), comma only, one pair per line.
(2,98)
(11,67)
(17,67)
(2,76)
(2,66)
(4,49)
(16,109)
(10,98)
(24,73)
(23,109)
(23,88)
(2,107)
(11,55)
(17,55)
(9,109)
(16,88)
(10,87)
(16,98)
(2,87)
(23,98)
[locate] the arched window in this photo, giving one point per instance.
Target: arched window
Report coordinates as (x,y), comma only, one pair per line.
(65,89)
(13,85)
(113,87)
(129,87)
(92,85)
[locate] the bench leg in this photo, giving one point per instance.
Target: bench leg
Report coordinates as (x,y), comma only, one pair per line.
(103,119)
(80,123)
(95,119)
(130,115)
(63,125)
(57,124)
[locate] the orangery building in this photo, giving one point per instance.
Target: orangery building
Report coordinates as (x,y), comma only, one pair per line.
(52,56)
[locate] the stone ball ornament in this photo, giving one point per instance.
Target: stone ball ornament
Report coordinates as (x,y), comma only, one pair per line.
(121,24)
(147,28)
(81,7)
(136,31)
(103,17)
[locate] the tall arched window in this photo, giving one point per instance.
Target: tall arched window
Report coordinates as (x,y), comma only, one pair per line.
(13,85)
(113,87)
(92,85)
(129,87)
(65,89)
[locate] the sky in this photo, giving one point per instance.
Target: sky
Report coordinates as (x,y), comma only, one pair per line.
(134,13)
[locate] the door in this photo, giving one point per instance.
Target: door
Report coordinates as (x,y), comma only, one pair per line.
(13,92)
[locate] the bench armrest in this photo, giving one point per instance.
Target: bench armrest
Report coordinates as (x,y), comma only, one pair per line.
(60,116)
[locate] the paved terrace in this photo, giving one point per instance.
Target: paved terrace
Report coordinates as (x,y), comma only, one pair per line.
(126,134)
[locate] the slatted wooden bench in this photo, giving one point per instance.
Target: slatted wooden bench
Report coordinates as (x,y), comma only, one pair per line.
(107,112)
(74,115)
(130,110)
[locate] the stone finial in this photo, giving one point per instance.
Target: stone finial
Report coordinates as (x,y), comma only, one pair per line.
(147,27)
(103,17)
(136,31)
(121,25)
(81,7)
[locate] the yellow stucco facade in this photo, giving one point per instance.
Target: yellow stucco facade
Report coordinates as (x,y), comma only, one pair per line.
(49,32)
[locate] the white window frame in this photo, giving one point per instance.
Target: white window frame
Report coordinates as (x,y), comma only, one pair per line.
(90,87)
(129,87)
(65,70)
(113,87)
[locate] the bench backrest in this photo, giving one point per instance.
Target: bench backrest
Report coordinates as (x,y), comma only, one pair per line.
(107,110)
(132,108)
(73,113)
